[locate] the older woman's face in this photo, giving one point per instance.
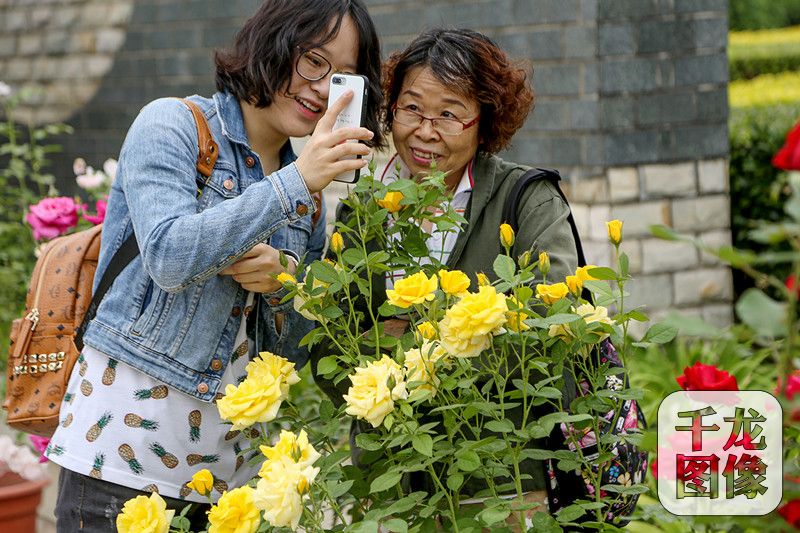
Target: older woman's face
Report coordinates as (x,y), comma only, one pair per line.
(418,146)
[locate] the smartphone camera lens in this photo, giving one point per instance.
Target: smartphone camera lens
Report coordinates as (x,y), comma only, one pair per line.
(338,81)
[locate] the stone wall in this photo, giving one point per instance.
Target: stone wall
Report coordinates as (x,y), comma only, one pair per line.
(631,103)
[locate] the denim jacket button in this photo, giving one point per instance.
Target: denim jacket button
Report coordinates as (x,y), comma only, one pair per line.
(250,161)
(302,210)
(202,388)
(228,184)
(216,365)
(236,311)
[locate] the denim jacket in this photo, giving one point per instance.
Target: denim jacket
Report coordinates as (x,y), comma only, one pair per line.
(170,314)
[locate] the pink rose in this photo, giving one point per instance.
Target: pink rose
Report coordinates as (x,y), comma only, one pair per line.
(100,207)
(52,217)
(40,445)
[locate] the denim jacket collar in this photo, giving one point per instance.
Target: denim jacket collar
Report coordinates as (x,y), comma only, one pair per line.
(232,120)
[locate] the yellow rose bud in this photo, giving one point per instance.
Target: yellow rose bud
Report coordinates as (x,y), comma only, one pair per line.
(483,280)
(284,278)
(453,282)
(575,285)
(506,235)
(337,243)
(614,231)
(391,202)
(583,273)
(544,263)
(202,482)
(427,330)
(415,289)
(302,486)
(525,259)
(550,294)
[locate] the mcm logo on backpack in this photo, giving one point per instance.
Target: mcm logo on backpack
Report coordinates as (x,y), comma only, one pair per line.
(46,343)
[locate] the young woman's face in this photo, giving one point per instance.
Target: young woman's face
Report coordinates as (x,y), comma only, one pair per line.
(417,146)
(297,109)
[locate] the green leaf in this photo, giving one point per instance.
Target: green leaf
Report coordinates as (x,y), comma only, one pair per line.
(766,316)
(340,488)
(368,441)
(660,333)
(331,312)
(366,526)
(454,481)
(467,460)
(327,365)
(495,514)
(603,273)
(623,264)
(397,525)
(569,513)
(543,522)
(664,233)
(423,443)
(632,489)
(385,481)
(549,392)
(500,426)
(504,267)
(324,272)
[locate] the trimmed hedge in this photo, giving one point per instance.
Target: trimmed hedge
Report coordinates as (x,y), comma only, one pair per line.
(759,14)
(757,192)
(751,53)
(765,90)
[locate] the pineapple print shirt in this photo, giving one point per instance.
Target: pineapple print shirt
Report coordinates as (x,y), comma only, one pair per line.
(122,426)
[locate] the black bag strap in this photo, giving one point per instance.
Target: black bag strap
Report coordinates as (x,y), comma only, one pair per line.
(512,203)
(206,158)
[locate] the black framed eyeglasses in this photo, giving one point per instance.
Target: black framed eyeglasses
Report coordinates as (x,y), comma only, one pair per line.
(443,125)
(312,66)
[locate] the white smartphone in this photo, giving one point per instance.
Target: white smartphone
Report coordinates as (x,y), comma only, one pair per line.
(353,114)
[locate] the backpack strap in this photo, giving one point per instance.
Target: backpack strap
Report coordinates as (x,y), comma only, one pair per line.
(206,159)
(510,215)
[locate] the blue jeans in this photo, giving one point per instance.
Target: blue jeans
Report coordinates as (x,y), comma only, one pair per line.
(92,505)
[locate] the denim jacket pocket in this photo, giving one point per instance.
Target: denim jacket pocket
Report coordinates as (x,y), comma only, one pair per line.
(155,302)
(222,185)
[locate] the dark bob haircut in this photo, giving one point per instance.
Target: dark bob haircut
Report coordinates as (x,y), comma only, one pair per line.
(468,63)
(261,62)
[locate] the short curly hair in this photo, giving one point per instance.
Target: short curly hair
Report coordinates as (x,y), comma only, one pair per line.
(471,64)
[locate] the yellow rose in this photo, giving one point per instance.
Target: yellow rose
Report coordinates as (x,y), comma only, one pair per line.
(284,278)
(550,294)
(458,346)
(483,279)
(506,235)
(293,448)
(391,202)
(453,282)
(235,512)
(370,398)
(259,396)
(337,243)
(278,495)
(575,285)
(420,366)
(583,273)
(145,515)
(614,231)
(515,320)
(544,263)
(414,289)
(275,366)
(478,313)
(202,482)
(590,314)
(427,330)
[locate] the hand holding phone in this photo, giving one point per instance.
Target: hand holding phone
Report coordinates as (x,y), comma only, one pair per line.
(327,154)
(353,114)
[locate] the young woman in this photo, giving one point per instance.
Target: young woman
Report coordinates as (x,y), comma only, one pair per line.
(182,319)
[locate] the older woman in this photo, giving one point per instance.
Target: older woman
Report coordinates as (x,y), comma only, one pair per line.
(454,98)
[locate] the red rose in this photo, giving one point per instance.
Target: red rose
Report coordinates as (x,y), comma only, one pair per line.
(791,284)
(788,157)
(706,377)
(792,386)
(791,513)
(100,207)
(654,467)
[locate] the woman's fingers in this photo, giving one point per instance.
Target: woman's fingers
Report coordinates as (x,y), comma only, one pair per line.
(328,120)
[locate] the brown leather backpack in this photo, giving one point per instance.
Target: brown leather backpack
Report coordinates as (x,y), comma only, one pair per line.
(46,343)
